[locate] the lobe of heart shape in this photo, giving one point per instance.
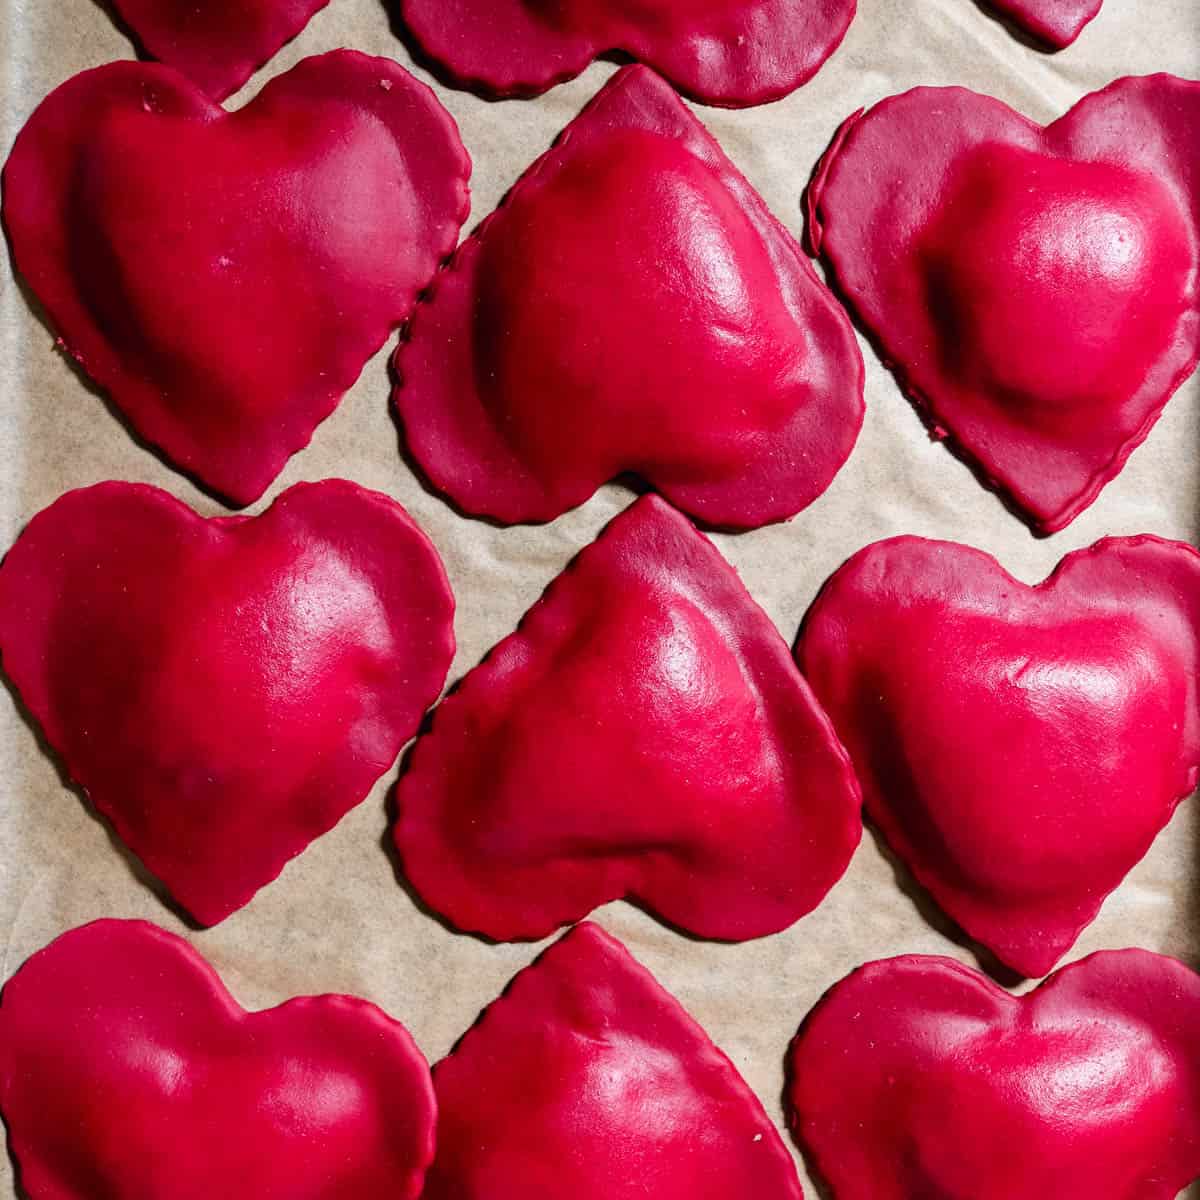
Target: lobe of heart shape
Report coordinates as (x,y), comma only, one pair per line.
(127,1069)
(1034,290)
(1055,23)
(643,734)
(225,276)
(631,307)
(727,52)
(224,690)
(1019,748)
(917,1077)
(587,1079)
(217,44)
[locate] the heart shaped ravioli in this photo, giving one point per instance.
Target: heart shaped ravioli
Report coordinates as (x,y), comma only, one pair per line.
(1034,289)
(632,306)
(916,1077)
(127,1070)
(217,44)
(225,690)
(643,734)
(225,276)
(1055,23)
(729,52)
(586,1079)
(1018,747)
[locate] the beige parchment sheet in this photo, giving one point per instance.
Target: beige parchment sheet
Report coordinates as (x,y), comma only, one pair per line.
(337,920)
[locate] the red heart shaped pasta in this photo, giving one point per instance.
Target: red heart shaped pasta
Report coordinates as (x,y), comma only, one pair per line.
(1056,23)
(632,306)
(586,1079)
(1035,290)
(226,690)
(220,43)
(1019,747)
(643,734)
(917,1077)
(728,52)
(225,276)
(127,1070)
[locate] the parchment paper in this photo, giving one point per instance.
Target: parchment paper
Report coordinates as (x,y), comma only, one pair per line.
(337,920)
